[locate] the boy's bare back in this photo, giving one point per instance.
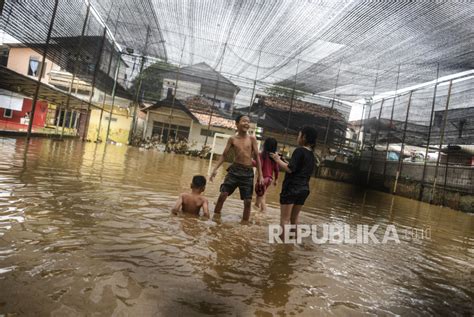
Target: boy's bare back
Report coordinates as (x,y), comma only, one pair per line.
(192,203)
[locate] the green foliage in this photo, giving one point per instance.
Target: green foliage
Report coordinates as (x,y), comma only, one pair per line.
(152,81)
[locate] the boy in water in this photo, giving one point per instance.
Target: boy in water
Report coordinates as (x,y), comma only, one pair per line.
(240,173)
(193,202)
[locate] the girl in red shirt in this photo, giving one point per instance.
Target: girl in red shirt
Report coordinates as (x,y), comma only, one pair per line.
(269,168)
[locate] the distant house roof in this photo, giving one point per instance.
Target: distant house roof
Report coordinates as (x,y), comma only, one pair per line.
(298,106)
(203,68)
(197,108)
(204,74)
(198,103)
(216,121)
(168,102)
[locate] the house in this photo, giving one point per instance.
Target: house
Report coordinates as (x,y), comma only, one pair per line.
(202,79)
(25,60)
(15,107)
(272,113)
(188,119)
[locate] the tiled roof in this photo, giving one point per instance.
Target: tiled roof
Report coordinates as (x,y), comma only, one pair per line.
(299,107)
(216,121)
(198,103)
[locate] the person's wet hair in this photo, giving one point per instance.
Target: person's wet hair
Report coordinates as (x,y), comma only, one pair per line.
(199,181)
(270,146)
(239,117)
(310,135)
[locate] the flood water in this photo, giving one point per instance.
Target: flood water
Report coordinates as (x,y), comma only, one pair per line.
(85,229)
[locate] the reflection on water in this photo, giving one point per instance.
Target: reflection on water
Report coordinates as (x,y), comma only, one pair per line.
(86,229)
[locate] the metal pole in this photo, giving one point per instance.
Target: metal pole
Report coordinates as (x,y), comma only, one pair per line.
(64,122)
(441,140)
(422,186)
(114,89)
(112,49)
(57,119)
(370,110)
(142,64)
(96,70)
(215,96)
(255,82)
(100,117)
(375,142)
(76,62)
(332,105)
(402,148)
(291,106)
(389,134)
(43,60)
(174,95)
(445,178)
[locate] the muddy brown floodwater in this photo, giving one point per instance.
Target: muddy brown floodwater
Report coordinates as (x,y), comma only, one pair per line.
(85,229)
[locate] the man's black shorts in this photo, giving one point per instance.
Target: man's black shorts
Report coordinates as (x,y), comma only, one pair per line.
(291,196)
(240,176)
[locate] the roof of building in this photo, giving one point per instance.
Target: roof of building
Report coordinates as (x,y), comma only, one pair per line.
(169,102)
(216,121)
(298,106)
(203,71)
(197,107)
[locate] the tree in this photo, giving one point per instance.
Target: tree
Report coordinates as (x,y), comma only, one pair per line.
(284,92)
(152,81)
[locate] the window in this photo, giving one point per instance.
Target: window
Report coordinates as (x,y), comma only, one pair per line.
(8,113)
(462,122)
(174,131)
(4,56)
(112,120)
(207,132)
(69,117)
(438,119)
(34,67)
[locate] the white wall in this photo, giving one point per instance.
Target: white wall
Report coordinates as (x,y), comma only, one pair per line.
(185,88)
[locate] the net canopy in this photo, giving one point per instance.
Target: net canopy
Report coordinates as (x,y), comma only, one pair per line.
(274,40)
(347,50)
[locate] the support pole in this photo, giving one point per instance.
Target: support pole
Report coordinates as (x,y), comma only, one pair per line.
(389,134)
(370,110)
(64,121)
(402,148)
(100,118)
(332,105)
(170,117)
(59,109)
(76,62)
(43,60)
(215,96)
(291,106)
(433,103)
(441,140)
(255,83)
(111,57)
(94,77)
(377,130)
(445,178)
(114,90)
(135,108)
